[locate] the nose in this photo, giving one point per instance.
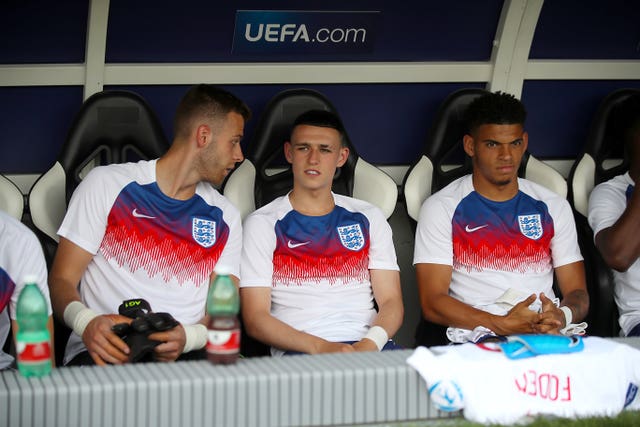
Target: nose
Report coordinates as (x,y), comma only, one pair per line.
(313,156)
(505,151)
(237,153)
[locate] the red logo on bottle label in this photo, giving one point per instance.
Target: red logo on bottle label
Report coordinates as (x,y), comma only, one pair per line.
(33,352)
(223,342)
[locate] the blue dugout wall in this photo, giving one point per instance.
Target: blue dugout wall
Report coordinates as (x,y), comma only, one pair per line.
(561,58)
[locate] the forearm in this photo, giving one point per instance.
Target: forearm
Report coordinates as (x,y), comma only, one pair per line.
(618,250)
(448,311)
(390,316)
(274,332)
(578,302)
(62,292)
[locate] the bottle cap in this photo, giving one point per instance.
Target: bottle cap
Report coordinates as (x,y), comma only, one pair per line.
(30,278)
(222,269)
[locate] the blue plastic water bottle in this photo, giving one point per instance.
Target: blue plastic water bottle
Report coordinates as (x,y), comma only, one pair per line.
(33,340)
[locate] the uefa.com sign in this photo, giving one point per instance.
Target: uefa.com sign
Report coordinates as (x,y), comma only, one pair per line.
(269,31)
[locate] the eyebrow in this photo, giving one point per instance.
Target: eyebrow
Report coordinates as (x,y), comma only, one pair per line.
(298,144)
(498,142)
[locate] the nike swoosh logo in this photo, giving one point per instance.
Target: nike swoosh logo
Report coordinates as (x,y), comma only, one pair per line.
(471,230)
(139,215)
(296,245)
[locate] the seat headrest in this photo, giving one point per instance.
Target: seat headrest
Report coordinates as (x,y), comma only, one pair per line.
(603,155)
(111,127)
(603,141)
(265,150)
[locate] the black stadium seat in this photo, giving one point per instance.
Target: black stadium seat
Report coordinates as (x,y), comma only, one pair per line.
(265,175)
(111,127)
(442,161)
(266,172)
(602,159)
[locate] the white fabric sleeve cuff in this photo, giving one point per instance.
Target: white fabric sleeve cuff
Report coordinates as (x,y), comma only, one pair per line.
(77,317)
(378,335)
(195,337)
(568,315)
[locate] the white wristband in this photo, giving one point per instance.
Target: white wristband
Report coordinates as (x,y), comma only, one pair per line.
(195,337)
(378,335)
(77,316)
(568,315)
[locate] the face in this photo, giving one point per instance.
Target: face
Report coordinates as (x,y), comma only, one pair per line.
(223,150)
(496,151)
(315,153)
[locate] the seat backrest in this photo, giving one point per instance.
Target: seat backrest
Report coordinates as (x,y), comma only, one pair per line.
(266,171)
(443,158)
(11,198)
(602,158)
(603,154)
(111,127)
(442,161)
(265,174)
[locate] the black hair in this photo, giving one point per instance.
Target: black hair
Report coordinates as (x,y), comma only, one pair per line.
(205,100)
(322,118)
(494,108)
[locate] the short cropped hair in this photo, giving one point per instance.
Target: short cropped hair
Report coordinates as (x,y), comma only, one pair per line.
(497,108)
(324,119)
(206,101)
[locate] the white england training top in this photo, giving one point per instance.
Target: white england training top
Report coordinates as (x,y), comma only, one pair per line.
(20,255)
(599,381)
(318,266)
(148,245)
(495,246)
(607,202)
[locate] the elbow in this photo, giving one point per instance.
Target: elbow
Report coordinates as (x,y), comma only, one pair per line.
(429,313)
(618,262)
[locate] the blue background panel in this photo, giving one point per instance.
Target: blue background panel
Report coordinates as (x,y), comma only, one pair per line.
(388,123)
(40,31)
(34,123)
(560,112)
(202,30)
(588,29)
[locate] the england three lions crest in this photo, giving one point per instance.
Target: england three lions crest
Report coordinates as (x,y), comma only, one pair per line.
(530,226)
(351,237)
(203,232)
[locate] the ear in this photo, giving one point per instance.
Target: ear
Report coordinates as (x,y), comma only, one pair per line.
(525,141)
(288,152)
(344,155)
(203,135)
(468,145)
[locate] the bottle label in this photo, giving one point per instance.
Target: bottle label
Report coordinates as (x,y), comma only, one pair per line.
(33,352)
(223,342)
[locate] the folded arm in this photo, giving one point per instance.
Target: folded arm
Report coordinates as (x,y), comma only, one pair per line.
(439,307)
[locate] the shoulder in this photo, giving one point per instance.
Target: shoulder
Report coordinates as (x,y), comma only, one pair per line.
(618,183)
(269,213)
(121,173)
(212,197)
(357,205)
(15,232)
(539,192)
(451,195)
